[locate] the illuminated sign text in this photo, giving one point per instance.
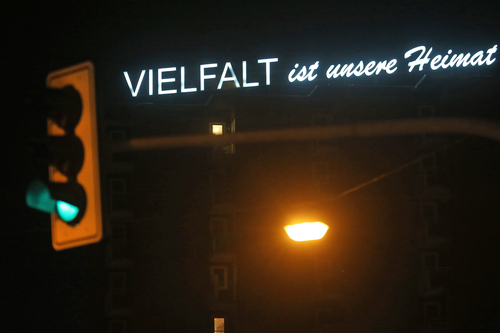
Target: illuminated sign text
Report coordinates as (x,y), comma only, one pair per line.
(449,60)
(173,80)
(206,71)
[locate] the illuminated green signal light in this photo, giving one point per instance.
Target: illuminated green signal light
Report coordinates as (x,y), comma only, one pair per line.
(67,212)
(55,198)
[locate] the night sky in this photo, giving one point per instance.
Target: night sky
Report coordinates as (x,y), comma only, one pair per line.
(38,38)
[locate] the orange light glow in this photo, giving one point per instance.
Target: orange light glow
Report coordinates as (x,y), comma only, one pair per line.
(306,231)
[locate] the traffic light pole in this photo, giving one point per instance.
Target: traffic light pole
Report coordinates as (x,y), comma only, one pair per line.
(361,130)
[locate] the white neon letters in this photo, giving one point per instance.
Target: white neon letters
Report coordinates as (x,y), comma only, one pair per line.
(203,77)
(183,82)
(150,82)
(135,91)
(449,60)
(303,73)
(340,70)
(233,77)
(245,83)
(167,78)
(161,80)
(418,58)
(268,68)
(372,67)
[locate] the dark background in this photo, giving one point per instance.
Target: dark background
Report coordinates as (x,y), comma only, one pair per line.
(43,287)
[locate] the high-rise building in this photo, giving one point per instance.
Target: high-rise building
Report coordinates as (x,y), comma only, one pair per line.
(195,241)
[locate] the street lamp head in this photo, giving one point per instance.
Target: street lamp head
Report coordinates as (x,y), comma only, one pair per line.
(306,231)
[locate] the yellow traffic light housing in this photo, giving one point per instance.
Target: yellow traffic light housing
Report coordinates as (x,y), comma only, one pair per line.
(72,195)
(89,228)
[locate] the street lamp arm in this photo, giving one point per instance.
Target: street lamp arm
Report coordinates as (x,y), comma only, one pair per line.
(357,130)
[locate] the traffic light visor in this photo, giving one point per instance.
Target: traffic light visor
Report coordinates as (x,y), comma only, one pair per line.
(39,197)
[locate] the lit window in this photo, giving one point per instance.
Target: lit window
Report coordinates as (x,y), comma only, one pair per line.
(218,325)
(217,129)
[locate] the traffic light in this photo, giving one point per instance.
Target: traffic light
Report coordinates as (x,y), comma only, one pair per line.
(72,195)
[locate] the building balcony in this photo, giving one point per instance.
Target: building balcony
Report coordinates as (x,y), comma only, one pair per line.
(437,227)
(437,232)
(223,247)
(120,201)
(222,194)
(119,254)
(434,282)
(120,206)
(430,185)
(436,326)
(224,300)
(118,303)
(223,242)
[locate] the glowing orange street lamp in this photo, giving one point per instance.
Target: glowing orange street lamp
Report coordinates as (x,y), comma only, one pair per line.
(306,231)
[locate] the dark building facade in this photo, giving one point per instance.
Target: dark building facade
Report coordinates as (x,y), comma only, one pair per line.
(193,238)
(195,241)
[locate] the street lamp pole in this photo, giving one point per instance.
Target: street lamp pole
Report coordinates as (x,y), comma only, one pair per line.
(358,130)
